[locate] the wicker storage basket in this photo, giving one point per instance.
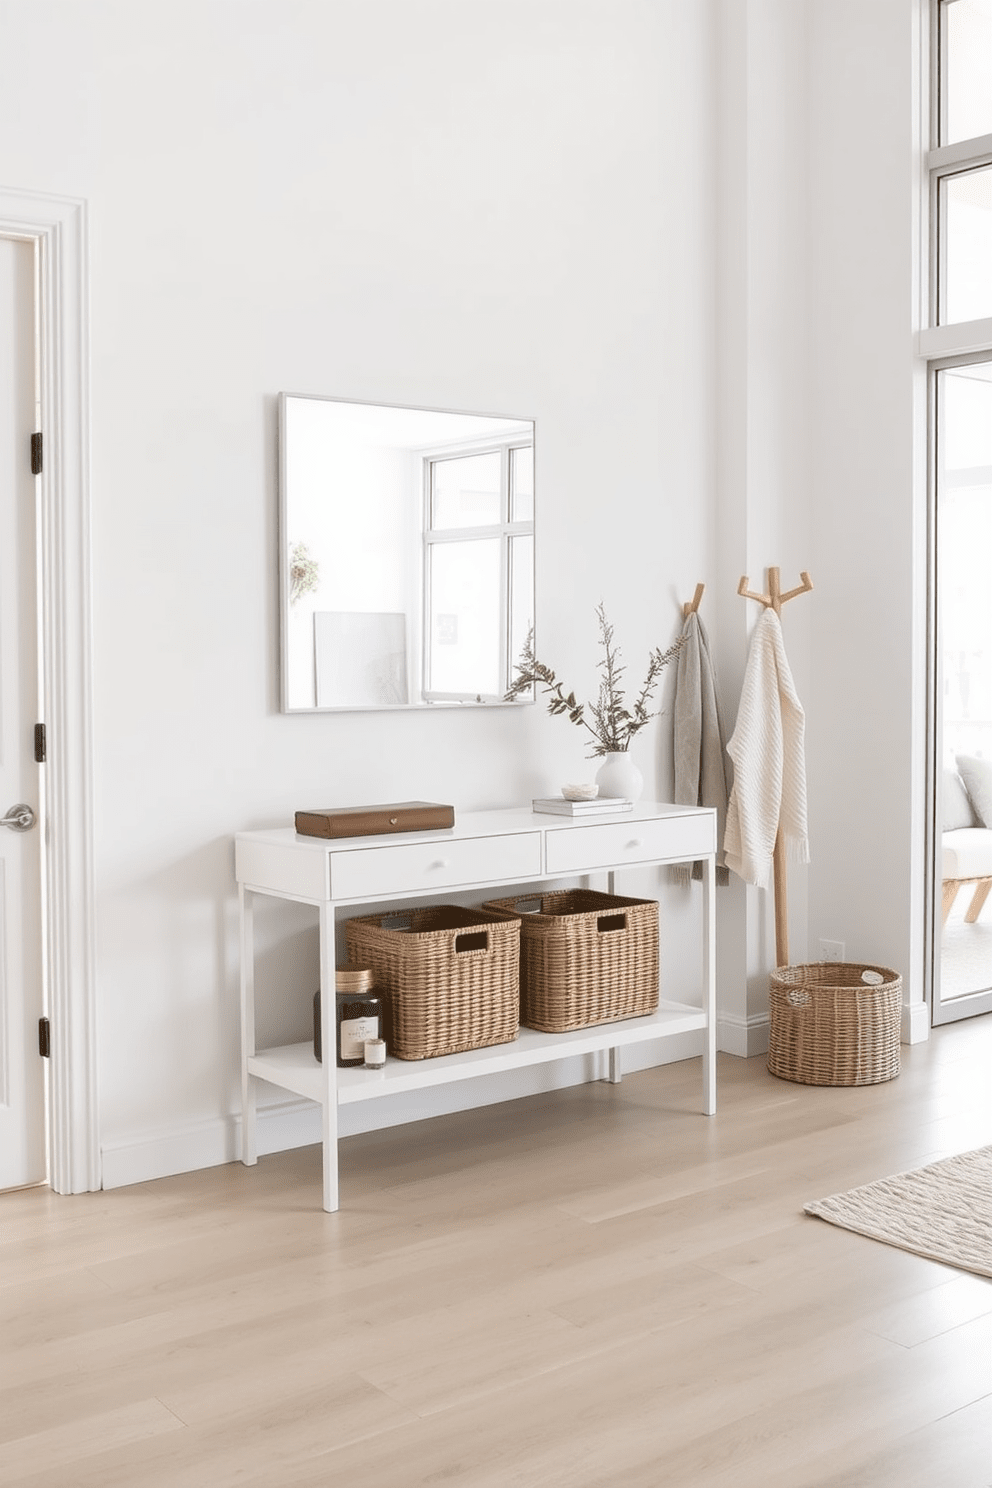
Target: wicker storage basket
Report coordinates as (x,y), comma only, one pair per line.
(450,977)
(585,958)
(834,1023)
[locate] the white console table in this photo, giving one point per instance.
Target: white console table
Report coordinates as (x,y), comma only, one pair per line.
(481,853)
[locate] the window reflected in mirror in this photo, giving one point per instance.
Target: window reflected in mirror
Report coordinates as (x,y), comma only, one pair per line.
(407,554)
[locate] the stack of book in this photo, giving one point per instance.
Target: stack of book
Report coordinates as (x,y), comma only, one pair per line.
(598,806)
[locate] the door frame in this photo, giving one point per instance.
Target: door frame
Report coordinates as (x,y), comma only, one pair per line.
(56,227)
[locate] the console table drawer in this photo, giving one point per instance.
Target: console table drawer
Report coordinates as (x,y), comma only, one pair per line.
(413,866)
(581,849)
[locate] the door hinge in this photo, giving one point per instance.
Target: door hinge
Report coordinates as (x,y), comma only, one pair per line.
(36,454)
(40,744)
(44,1038)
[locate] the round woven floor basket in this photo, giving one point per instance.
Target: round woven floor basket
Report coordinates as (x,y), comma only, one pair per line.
(834,1023)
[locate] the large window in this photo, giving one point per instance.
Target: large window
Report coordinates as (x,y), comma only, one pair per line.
(961,163)
(965,58)
(478,569)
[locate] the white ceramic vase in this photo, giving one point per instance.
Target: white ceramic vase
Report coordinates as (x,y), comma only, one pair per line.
(619,776)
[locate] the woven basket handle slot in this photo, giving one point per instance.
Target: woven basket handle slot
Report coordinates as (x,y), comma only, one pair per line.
(473,940)
(611,922)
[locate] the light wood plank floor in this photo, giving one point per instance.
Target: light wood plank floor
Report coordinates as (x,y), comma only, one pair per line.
(595,1287)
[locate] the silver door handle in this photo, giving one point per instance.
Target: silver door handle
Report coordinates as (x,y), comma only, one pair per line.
(19,818)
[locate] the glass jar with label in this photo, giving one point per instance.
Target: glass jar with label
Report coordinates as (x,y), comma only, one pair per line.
(359,1015)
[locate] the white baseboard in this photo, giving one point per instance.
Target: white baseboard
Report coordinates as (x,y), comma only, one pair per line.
(289,1123)
(158,1154)
(744,1037)
(915,1023)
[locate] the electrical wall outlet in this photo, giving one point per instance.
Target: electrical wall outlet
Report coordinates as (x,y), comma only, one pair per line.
(831,950)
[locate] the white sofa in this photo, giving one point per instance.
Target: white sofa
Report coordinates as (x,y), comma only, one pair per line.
(966,841)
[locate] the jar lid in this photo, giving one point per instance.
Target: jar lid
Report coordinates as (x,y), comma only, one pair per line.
(353,979)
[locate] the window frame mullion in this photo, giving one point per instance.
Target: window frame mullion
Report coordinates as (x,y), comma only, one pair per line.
(962,155)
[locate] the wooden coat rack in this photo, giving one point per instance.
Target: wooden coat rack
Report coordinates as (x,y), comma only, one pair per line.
(774,600)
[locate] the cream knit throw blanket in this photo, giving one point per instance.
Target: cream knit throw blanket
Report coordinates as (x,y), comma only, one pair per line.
(769,791)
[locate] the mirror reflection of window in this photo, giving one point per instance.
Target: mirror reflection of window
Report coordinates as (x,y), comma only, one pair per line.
(464,625)
(479,567)
(465,491)
(522,484)
(521,596)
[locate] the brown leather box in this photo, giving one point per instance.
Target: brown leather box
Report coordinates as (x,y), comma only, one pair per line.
(371,821)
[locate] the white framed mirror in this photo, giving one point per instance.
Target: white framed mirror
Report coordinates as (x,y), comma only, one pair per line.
(406,554)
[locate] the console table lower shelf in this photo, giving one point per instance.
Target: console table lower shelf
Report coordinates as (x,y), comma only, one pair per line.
(293,1066)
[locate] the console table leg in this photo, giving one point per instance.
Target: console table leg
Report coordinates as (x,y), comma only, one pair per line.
(328,1023)
(616,1074)
(709,984)
(249,1154)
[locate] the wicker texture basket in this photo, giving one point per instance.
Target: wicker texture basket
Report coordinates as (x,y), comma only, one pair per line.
(450,977)
(831,1026)
(585,958)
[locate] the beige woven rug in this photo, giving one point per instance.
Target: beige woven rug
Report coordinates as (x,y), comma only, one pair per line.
(943,1211)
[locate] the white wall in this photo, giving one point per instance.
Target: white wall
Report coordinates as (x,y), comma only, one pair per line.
(867,708)
(572,209)
(819,451)
(493,204)
(762,445)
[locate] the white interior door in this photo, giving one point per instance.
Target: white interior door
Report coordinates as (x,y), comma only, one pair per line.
(22,1090)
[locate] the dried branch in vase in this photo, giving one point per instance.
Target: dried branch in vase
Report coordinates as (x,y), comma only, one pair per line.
(610,722)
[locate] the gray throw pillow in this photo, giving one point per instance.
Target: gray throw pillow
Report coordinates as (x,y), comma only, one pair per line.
(977,777)
(955,807)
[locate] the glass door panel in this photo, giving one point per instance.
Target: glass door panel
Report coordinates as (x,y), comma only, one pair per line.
(963,932)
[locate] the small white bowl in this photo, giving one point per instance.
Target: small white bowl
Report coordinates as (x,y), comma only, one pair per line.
(580,792)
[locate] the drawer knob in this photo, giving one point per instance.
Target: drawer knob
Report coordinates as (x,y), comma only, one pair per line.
(635,842)
(440,863)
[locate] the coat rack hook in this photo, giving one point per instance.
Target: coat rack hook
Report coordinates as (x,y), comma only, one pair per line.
(775,599)
(746,593)
(804,587)
(692,605)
